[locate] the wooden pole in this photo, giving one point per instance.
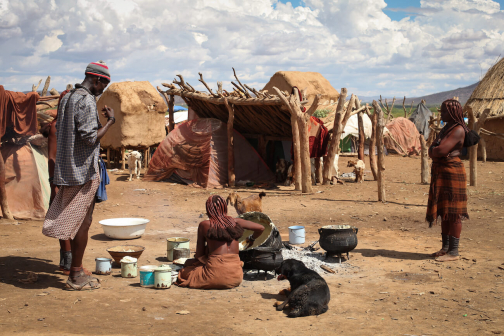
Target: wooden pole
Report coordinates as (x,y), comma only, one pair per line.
(304,138)
(335,140)
(473,151)
(146,157)
(372,145)
(6,213)
(230,138)
(482,143)
(318,170)
(297,152)
(295,141)
(362,136)
(381,160)
(108,157)
(171,121)
(425,161)
(123,158)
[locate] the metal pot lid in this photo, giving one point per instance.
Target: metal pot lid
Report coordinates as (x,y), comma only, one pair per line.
(163,268)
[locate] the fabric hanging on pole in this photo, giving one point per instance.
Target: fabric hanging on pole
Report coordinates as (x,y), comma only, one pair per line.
(18,110)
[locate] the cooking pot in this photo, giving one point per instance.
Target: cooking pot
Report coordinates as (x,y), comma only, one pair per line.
(338,239)
(261,258)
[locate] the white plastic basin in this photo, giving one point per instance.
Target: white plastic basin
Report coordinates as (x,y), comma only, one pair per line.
(124,228)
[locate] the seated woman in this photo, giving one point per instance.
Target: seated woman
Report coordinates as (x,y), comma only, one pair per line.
(217,265)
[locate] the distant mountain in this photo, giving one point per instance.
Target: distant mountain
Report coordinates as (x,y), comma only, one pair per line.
(437,98)
(432,99)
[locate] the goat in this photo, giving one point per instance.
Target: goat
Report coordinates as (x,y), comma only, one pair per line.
(334,171)
(251,203)
(134,162)
(359,167)
(281,170)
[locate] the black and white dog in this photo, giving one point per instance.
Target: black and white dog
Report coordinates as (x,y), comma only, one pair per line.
(308,294)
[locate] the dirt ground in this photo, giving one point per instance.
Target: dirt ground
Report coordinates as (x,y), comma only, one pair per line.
(389,286)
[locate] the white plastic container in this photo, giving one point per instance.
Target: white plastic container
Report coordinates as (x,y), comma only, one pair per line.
(124,228)
(296,234)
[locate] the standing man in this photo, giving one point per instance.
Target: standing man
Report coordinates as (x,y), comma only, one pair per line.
(76,170)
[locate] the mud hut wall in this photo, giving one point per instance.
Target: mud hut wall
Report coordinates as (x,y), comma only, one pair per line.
(494,145)
(313,81)
(268,120)
(139,112)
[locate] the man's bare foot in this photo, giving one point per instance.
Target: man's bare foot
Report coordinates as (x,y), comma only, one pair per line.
(448,257)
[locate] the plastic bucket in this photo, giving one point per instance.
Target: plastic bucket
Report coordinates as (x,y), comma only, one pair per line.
(175,242)
(147,275)
(296,234)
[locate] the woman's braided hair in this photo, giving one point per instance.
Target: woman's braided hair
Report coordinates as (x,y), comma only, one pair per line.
(222,226)
(454,109)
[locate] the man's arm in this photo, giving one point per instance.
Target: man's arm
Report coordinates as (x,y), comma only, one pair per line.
(109,114)
(86,121)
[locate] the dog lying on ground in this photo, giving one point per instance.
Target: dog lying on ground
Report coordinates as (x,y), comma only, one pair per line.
(359,167)
(309,293)
(251,203)
(134,163)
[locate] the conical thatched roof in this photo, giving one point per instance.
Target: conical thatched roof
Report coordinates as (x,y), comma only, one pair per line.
(489,93)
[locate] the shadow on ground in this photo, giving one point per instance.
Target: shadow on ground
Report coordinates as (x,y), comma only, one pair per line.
(392,254)
(14,269)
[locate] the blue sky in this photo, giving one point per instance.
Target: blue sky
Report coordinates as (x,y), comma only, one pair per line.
(392,48)
(394,15)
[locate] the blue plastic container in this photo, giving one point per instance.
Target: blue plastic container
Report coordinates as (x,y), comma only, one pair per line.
(147,275)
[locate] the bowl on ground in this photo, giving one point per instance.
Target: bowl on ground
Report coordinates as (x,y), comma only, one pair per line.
(119,252)
(124,228)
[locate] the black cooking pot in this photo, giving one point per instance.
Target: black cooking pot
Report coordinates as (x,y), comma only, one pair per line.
(261,258)
(338,239)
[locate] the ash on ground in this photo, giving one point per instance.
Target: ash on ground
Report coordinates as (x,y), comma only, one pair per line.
(313,260)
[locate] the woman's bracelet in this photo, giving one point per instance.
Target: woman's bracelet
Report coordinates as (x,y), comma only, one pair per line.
(251,238)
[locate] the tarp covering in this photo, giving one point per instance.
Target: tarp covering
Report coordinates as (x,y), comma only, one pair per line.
(420,118)
(26,180)
(19,111)
(402,137)
(197,151)
(352,126)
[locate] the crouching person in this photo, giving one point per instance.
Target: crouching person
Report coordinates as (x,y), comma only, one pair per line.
(217,264)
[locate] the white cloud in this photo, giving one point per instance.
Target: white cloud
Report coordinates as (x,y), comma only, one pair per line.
(353,43)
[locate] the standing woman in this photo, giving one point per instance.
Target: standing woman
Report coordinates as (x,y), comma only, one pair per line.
(447,193)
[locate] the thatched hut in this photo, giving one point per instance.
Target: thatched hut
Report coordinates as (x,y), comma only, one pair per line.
(489,94)
(140,118)
(313,82)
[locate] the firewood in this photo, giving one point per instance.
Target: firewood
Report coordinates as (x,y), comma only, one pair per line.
(244,89)
(182,83)
(206,85)
(35,87)
(54,92)
(46,86)
(327,269)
